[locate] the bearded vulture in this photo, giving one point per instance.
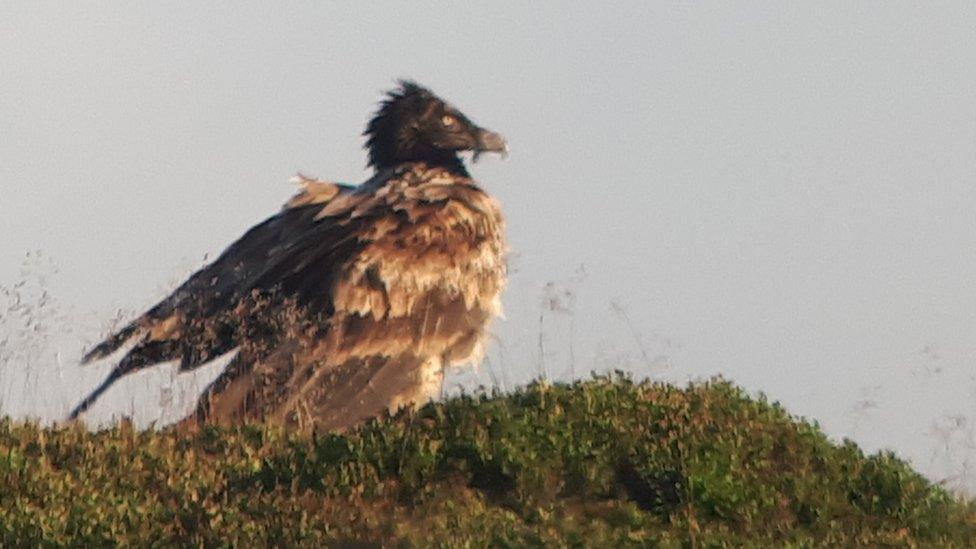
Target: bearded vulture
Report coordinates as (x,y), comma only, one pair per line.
(351,300)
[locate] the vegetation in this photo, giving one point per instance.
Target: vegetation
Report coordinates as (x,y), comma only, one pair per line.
(595,463)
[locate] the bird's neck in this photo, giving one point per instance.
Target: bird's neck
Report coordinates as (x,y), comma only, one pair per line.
(450,162)
(444,160)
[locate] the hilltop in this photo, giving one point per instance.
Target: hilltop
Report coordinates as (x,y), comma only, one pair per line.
(601,462)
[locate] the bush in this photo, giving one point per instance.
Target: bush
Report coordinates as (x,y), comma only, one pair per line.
(594,463)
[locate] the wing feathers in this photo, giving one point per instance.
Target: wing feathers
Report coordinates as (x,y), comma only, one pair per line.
(313,192)
(111,344)
(241,269)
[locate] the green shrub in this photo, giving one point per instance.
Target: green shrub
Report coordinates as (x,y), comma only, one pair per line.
(594,463)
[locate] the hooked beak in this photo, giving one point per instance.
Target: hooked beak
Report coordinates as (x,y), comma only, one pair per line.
(489,141)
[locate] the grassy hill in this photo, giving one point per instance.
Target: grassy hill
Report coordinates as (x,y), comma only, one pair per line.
(605,462)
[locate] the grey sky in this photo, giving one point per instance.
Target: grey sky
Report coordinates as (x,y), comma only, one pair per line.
(781,193)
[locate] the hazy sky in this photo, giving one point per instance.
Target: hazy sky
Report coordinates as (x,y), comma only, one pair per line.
(780,193)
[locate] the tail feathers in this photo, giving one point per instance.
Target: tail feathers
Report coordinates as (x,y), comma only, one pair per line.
(110,345)
(93,396)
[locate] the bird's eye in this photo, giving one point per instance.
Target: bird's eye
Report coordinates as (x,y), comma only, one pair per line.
(448,121)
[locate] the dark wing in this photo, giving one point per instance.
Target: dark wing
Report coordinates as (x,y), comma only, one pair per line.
(289,254)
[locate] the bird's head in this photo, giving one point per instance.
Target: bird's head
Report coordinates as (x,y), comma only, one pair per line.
(414,125)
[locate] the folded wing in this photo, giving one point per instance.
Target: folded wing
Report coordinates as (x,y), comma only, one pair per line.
(290,253)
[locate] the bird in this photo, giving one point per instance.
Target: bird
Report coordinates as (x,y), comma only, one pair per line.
(352,300)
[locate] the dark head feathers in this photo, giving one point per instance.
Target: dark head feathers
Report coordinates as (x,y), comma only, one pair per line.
(414,125)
